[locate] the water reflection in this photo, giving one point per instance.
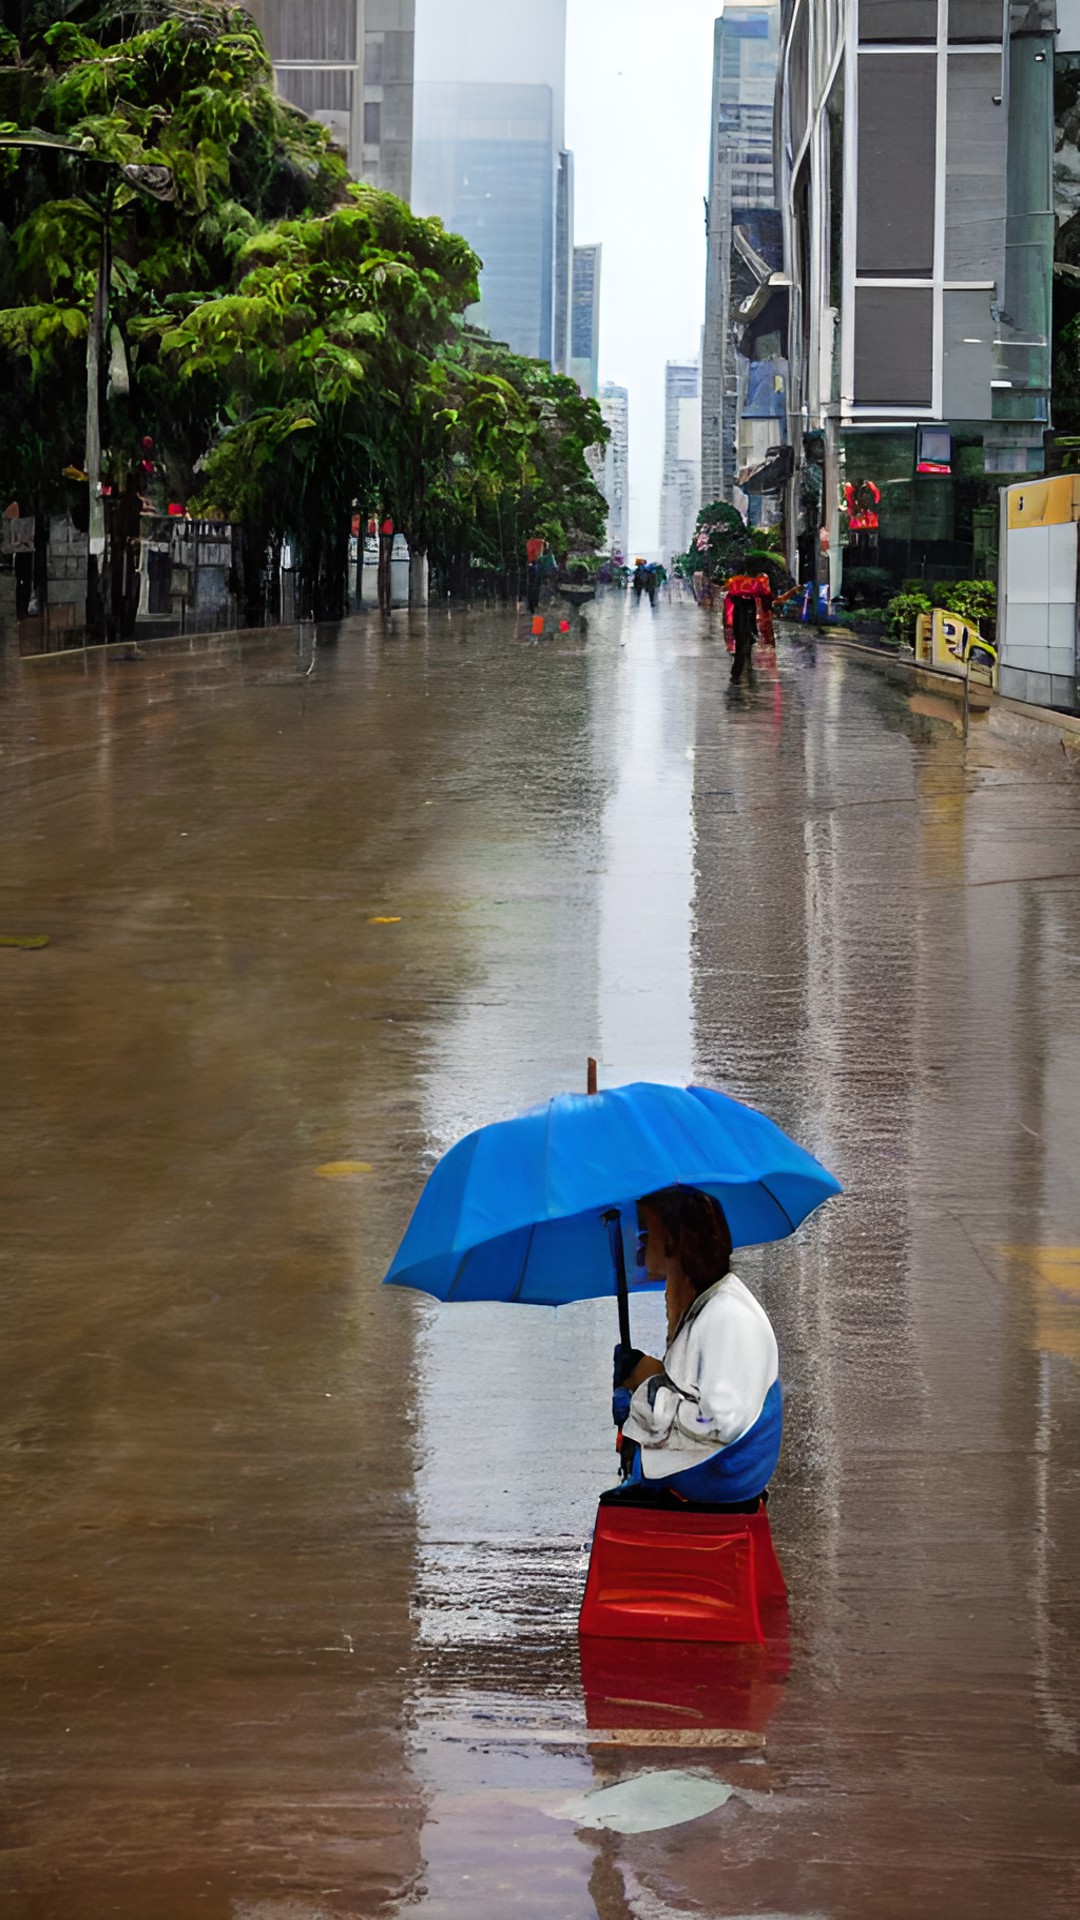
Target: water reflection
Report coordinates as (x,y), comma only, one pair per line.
(830,845)
(282,1547)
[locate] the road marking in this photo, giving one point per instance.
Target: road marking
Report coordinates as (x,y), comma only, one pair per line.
(684,1738)
(343,1169)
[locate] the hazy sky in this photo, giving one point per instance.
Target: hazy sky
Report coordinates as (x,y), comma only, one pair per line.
(638,107)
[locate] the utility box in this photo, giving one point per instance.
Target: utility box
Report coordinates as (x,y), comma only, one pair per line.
(1037,592)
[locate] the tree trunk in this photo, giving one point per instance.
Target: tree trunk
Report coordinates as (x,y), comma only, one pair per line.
(331,582)
(253,577)
(386,548)
(459,577)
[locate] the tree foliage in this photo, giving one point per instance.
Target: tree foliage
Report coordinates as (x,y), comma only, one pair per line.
(295,343)
(720,543)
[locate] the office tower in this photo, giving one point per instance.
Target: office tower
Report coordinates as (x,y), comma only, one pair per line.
(564,261)
(585,320)
(740,188)
(680,487)
(349,63)
(917,153)
(612,473)
(489,156)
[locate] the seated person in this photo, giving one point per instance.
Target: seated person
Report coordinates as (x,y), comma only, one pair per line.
(707,1420)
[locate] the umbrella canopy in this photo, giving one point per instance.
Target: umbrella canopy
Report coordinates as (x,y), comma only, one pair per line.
(516,1210)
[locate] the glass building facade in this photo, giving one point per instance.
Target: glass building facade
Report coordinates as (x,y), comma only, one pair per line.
(585,320)
(484,163)
(490,159)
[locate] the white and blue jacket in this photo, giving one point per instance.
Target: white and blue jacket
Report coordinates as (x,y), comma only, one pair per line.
(710,1424)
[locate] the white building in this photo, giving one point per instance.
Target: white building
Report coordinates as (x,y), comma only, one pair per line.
(611,471)
(680,487)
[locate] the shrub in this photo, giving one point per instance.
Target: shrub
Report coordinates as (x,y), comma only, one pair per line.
(867,586)
(902,613)
(861,621)
(974,600)
(720,541)
(583,567)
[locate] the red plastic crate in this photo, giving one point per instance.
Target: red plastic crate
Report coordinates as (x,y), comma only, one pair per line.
(657,1574)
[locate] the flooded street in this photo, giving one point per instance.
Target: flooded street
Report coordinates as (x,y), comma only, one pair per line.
(291,1562)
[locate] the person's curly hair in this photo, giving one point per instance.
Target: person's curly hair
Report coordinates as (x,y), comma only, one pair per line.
(696,1232)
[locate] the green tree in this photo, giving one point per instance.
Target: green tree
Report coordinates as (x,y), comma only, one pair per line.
(327,349)
(187,88)
(720,543)
(515,465)
(292,343)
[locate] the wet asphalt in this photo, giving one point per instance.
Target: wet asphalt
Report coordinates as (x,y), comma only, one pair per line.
(291,1563)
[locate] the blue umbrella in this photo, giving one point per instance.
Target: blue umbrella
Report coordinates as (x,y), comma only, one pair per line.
(539,1208)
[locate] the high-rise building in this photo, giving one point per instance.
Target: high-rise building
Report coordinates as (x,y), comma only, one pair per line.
(917,150)
(489,157)
(349,63)
(564,261)
(585,320)
(613,476)
(680,487)
(740,186)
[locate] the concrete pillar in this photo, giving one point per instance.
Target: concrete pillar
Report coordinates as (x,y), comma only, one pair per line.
(418,579)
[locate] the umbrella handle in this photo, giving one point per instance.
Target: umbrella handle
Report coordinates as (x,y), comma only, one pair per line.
(613,1223)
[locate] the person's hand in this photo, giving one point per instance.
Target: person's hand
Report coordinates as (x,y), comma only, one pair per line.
(620,1406)
(624,1360)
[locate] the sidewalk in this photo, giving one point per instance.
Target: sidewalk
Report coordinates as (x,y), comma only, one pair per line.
(1036,728)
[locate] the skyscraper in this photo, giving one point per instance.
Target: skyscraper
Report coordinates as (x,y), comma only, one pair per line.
(680,487)
(349,63)
(489,156)
(585,320)
(564,261)
(613,478)
(740,183)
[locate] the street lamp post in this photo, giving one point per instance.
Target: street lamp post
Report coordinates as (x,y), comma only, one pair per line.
(95,341)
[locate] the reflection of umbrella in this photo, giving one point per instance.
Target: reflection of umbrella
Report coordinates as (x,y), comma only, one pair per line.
(530,1209)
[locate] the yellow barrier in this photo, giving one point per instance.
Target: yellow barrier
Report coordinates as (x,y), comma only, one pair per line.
(952,645)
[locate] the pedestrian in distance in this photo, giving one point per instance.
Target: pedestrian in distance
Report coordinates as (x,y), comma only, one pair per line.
(644,581)
(534,554)
(744,628)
